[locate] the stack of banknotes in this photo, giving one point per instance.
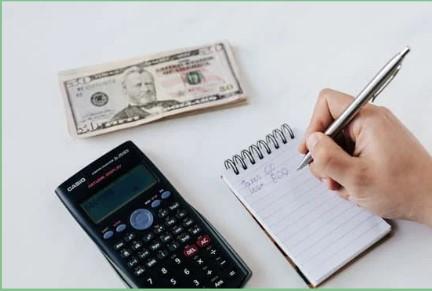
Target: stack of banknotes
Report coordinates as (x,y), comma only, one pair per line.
(105,98)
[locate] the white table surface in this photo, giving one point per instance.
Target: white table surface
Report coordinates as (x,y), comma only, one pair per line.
(287,52)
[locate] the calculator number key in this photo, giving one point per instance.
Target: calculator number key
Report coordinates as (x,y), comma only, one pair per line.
(149,281)
(172,282)
(196,283)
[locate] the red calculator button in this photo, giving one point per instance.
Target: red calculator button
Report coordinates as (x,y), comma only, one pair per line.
(190,250)
(203,241)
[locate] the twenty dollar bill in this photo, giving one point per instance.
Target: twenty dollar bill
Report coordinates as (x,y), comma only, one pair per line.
(109,97)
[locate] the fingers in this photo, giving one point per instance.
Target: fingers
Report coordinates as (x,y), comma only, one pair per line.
(329,106)
(332,184)
(330,160)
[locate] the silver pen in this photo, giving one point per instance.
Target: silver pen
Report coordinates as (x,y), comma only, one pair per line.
(370,92)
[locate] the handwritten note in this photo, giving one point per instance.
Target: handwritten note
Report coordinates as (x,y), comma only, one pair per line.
(316,228)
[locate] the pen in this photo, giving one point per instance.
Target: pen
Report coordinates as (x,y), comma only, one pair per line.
(370,92)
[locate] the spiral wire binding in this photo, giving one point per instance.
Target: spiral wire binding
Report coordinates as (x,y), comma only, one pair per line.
(272,140)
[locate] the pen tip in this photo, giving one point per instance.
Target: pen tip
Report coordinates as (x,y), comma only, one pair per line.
(406,50)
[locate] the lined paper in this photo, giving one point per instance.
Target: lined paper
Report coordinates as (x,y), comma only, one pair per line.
(316,228)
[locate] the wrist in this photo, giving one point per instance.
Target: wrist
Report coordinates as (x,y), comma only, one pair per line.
(424,213)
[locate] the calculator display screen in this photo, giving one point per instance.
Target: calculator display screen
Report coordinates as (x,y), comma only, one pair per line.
(118,193)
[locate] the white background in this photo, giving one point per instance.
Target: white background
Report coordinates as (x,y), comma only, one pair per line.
(286,52)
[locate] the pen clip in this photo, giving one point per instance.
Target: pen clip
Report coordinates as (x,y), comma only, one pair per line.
(386,82)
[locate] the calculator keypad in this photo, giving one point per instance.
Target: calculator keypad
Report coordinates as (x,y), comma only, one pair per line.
(175,251)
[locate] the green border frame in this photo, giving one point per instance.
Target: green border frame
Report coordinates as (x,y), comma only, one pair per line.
(215,1)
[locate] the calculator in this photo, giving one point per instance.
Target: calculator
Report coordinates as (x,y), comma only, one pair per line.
(146,230)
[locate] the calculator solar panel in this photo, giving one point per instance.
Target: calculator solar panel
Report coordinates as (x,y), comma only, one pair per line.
(146,230)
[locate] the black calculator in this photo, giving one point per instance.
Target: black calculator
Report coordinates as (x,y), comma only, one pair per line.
(150,235)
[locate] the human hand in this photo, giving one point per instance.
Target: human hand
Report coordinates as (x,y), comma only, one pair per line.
(386,170)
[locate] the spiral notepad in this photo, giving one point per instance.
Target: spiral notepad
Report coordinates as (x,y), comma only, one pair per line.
(318,231)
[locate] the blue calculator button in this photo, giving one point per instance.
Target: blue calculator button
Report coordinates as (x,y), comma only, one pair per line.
(121,227)
(141,219)
(108,234)
(155,203)
(165,194)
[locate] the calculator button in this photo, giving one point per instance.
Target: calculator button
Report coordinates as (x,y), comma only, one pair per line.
(108,234)
(120,227)
(203,241)
(187,222)
(177,230)
(209,272)
(219,283)
(181,213)
(163,270)
(176,260)
(136,245)
(170,221)
(132,262)
(186,272)
(163,212)
(128,237)
(184,237)
(158,228)
(162,254)
(221,262)
(212,251)
(155,246)
(173,282)
(143,254)
(151,262)
(199,261)
(148,237)
(165,194)
(232,273)
(174,206)
(195,230)
(196,283)
(156,203)
(149,281)
(141,219)
(173,246)
(118,245)
(125,253)
(139,271)
(166,237)
(190,250)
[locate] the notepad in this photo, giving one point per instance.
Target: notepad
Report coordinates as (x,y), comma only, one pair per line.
(315,228)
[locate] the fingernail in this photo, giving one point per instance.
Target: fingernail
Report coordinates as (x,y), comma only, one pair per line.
(312,140)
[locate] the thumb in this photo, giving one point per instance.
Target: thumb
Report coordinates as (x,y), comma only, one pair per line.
(329,159)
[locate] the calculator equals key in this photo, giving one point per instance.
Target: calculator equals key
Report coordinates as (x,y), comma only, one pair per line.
(145,228)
